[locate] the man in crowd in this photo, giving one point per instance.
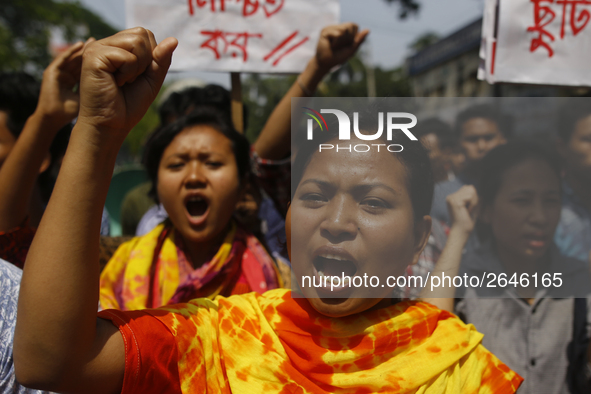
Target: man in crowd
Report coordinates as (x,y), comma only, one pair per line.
(479,129)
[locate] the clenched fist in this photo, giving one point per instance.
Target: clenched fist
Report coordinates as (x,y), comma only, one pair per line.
(121,76)
(338,43)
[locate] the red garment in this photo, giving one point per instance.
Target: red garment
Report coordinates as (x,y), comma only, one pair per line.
(15,244)
(155,370)
(275,344)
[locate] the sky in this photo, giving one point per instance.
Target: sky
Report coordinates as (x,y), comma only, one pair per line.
(389,38)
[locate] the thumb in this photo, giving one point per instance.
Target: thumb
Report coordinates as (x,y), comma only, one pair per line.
(360,38)
(161,59)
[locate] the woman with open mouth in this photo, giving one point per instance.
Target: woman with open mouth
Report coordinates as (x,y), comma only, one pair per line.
(198,166)
(270,343)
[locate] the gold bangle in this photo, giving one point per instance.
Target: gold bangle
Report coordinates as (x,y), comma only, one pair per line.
(304,88)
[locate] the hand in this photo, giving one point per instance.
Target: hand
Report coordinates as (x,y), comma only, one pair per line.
(58,102)
(463,208)
(121,76)
(338,43)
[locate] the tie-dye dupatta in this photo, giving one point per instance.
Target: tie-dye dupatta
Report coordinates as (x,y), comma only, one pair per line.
(145,272)
(275,344)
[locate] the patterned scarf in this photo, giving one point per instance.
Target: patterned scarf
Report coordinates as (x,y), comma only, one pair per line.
(150,271)
(274,344)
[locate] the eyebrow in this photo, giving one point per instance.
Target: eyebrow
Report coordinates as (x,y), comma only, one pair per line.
(378,185)
(363,187)
(201,155)
(316,181)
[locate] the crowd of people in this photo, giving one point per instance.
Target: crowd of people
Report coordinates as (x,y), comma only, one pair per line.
(207,296)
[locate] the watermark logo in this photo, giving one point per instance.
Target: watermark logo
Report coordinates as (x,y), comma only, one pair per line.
(392,124)
(315,115)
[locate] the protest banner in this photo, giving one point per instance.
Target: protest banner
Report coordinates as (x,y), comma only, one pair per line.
(263,36)
(536,41)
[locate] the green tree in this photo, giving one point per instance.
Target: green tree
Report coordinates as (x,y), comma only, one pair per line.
(423,41)
(260,94)
(26,25)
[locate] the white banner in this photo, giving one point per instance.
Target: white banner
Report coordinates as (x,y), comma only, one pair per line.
(263,36)
(538,41)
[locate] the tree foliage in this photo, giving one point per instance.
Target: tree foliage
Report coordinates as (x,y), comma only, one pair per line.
(407,7)
(26,25)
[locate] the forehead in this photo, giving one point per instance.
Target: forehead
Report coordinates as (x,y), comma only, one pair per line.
(200,138)
(346,169)
(479,126)
(530,175)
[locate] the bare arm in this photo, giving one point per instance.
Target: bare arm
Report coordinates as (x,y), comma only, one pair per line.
(462,206)
(57,106)
(336,45)
(60,345)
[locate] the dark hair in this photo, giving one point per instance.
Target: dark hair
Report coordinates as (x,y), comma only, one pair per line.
(182,103)
(499,160)
(486,111)
(46,179)
(414,158)
(570,113)
(442,131)
(19,93)
(164,135)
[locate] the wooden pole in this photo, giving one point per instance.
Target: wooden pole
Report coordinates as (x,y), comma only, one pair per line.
(237,115)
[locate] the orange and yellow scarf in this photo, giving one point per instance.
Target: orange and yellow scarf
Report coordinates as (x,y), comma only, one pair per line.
(145,272)
(274,344)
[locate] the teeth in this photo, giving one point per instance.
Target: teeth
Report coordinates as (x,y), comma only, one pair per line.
(196,199)
(320,273)
(333,257)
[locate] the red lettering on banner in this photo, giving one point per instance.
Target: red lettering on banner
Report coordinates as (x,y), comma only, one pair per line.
(201,4)
(281,45)
(249,7)
(544,15)
(582,18)
(275,7)
(229,40)
(540,23)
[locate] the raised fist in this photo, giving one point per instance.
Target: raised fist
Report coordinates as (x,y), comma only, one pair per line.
(338,43)
(463,208)
(121,76)
(58,100)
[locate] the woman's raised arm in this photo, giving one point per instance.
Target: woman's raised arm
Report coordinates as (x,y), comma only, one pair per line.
(60,345)
(57,106)
(463,209)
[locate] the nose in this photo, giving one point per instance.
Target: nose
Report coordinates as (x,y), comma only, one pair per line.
(482,144)
(195,177)
(538,215)
(339,224)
